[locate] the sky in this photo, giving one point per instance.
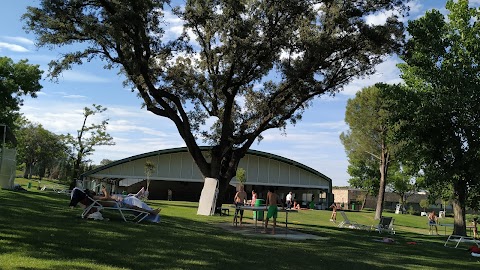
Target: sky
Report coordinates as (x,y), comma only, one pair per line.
(314,141)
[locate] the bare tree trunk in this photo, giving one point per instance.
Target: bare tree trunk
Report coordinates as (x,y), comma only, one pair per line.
(459,209)
(76,170)
(364,200)
(383,182)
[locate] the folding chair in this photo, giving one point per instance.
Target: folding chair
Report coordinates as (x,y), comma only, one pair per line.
(385,224)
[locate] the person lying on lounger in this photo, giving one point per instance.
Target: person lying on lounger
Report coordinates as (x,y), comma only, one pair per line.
(130,202)
(84,198)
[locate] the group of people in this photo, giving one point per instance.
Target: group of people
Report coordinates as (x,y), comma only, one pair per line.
(272,202)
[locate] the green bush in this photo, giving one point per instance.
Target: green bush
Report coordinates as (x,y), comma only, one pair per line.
(411,210)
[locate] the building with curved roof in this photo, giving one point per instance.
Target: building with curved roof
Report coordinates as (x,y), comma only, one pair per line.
(176,170)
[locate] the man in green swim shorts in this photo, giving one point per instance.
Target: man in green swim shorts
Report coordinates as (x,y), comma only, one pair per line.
(271,202)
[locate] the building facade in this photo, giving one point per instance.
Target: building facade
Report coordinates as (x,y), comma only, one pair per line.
(175,170)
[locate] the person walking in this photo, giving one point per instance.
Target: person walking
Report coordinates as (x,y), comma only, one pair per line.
(288,200)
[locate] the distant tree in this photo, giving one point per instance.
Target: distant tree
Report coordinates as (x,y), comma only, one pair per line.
(403,184)
(225,74)
(149,169)
(39,149)
(88,137)
(368,140)
(16,81)
(105,161)
(424,204)
(241,177)
(364,175)
(441,124)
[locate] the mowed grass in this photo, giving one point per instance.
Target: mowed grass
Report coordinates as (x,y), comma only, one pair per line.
(39,231)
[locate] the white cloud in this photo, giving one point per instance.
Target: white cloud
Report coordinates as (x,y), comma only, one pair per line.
(379,18)
(23,40)
(474,2)
(74,96)
(78,76)
(12,47)
(415,7)
(338,125)
(387,72)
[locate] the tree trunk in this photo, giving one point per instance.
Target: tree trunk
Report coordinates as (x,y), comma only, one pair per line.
(364,200)
(76,169)
(27,174)
(383,175)
(459,208)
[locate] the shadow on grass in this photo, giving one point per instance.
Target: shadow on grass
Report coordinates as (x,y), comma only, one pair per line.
(43,228)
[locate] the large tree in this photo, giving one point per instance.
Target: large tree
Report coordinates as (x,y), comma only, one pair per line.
(16,81)
(251,65)
(368,140)
(38,148)
(443,100)
(89,136)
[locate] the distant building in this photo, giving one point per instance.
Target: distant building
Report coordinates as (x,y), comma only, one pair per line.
(350,198)
(176,170)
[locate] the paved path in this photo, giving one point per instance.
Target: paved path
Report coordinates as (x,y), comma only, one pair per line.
(280,233)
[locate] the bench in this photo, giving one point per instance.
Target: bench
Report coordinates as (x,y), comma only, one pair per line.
(461,239)
(223,211)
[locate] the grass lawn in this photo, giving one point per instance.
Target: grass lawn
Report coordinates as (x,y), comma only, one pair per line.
(39,231)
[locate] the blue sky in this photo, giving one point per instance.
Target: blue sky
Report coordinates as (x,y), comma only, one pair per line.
(314,141)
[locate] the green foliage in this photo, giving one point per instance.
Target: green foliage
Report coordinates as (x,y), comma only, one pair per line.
(241,176)
(40,150)
(88,137)
(16,81)
(411,210)
(440,122)
(149,169)
(424,204)
(368,142)
(220,67)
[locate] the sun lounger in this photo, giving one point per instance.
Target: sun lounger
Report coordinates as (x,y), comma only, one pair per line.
(99,205)
(461,239)
(93,205)
(347,223)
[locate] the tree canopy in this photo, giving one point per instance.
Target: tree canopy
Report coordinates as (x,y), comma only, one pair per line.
(245,66)
(368,143)
(16,81)
(88,137)
(441,105)
(39,149)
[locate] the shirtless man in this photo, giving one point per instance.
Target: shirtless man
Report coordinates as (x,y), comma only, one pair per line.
(272,200)
(334,212)
(240,200)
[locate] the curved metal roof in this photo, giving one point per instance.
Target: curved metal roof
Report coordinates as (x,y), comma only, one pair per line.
(207,148)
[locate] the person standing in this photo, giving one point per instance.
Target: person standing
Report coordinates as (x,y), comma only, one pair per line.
(254,198)
(169,194)
(289,200)
(333,217)
(239,200)
(432,222)
(272,210)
